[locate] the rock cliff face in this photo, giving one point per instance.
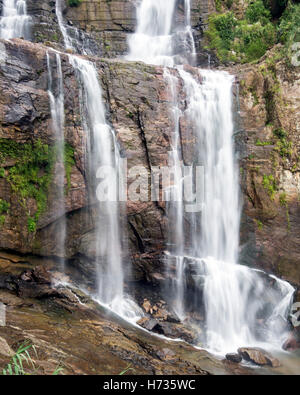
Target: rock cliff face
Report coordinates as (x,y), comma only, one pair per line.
(103,26)
(269,149)
(138,108)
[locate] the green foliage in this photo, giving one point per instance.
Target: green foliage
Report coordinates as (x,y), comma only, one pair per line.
(259,224)
(282,199)
(242,40)
(22,363)
(262,143)
(280,133)
(284,147)
(2,172)
(270,185)
(4,209)
(16,366)
(288,29)
(74,3)
(128,368)
(31,175)
(4,206)
(257,12)
(246,40)
(2,220)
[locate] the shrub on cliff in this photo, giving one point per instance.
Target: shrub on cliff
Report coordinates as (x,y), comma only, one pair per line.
(248,39)
(74,3)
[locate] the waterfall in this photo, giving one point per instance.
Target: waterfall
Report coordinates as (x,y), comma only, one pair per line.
(74,39)
(15,22)
(203,246)
(103,161)
(152,42)
(56,96)
(102,151)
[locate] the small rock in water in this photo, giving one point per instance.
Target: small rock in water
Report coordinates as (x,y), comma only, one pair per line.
(293,341)
(234,357)
(146,306)
(148,323)
(258,356)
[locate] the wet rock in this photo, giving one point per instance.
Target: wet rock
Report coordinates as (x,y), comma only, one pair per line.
(234,357)
(149,323)
(258,356)
(165,354)
(177,331)
(5,350)
(147,306)
(293,341)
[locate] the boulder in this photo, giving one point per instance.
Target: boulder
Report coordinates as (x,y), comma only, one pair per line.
(234,357)
(258,356)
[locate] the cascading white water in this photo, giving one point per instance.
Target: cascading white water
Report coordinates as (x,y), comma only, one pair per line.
(152,41)
(74,39)
(58,121)
(103,159)
(14,22)
(234,296)
(102,151)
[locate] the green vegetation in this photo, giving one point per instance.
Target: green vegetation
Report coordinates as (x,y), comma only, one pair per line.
(269,184)
(260,143)
(31,174)
(4,209)
(4,206)
(22,364)
(288,29)
(15,366)
(74,3)
(259,224)
(282,199)
(283,146)
(246,40)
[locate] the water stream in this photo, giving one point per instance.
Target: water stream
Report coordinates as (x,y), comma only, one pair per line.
(233,296)
(15,22)
(103,160)
(56,96)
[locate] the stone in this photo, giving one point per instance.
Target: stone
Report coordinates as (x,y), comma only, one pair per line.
(146,306)
(5,350)
(148,323)
(293,341)
(258,356)
(234,357)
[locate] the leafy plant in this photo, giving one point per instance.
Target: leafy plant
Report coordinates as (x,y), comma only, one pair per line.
(269,184)
(15,366)
(74,3)
(31,174)
(256,11)
(260,143)
(22,358)
(126,370)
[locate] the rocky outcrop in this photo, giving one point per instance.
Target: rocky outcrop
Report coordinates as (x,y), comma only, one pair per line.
(268,143)
(258,356)
(59,318)
(137,107)
(102,27)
